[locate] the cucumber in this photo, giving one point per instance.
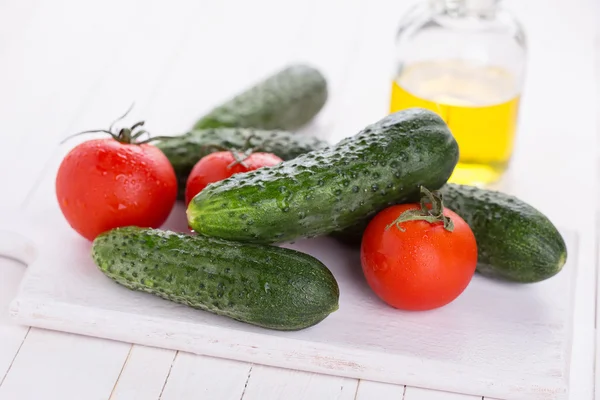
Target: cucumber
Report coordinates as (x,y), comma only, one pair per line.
(352,236)
(333,188)
(286,100)
(267,286)
(515,241)
(186,150)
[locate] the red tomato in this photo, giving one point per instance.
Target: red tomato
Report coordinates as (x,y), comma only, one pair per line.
(221,165)
(103,184)
(421,268)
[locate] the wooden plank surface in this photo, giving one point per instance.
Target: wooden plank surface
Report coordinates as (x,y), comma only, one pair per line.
(525,343)
(49,91)
(123,82)
(268,383)
(413,393)
(54,365)
(368,390)
(193,377)
(128,62)
(11,335)
(551,53)
(144,374)
(48,72)
(597,260)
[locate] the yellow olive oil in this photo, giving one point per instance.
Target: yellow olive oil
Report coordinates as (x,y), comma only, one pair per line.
(480,105)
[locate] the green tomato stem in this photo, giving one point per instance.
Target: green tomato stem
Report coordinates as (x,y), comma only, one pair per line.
(433,215)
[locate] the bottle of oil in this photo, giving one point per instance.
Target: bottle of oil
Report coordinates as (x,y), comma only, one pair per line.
(465,60)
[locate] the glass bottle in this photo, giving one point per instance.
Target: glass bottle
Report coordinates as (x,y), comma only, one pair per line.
(465,60)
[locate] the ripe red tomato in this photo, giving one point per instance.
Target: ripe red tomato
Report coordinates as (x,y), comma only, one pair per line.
(420,266)
(103,184)
(221,165)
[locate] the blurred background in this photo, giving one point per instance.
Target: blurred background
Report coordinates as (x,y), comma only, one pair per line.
(68,66)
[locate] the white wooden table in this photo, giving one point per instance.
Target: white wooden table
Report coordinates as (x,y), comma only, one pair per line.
(68,65)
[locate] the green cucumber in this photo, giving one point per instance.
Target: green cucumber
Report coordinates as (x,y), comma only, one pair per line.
(186,150)
(515,241)
(286,100)
(267,286)
(333,188)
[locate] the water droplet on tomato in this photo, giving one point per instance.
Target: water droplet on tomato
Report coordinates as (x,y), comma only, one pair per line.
(122,206)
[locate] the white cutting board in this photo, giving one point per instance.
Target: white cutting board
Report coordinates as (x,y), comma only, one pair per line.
(506,341)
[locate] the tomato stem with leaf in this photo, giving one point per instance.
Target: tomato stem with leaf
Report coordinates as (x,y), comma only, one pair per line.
(432,215)
(124,135)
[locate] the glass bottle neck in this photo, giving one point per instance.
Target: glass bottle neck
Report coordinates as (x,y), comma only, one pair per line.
(461,7)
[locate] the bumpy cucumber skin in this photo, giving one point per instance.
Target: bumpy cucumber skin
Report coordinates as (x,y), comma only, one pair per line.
(515,241)
(333,188)
(268,286)
(186,150)
(285,100)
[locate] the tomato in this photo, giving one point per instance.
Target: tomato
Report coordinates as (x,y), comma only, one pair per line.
(104,183)
(221,165)
(416,264)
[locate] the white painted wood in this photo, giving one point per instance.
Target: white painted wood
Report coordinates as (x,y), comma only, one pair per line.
(413,393)
(199,84)
(47,74)
(66,85)
(268,383)
(11,334)
(53,365)
(15,19)
(143,59)
(223,53)
(333,53)
(144,374)
(597,358)
(525,329)
(366,83)
(547,176)
(368,390)
(131,61)
(198,377)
